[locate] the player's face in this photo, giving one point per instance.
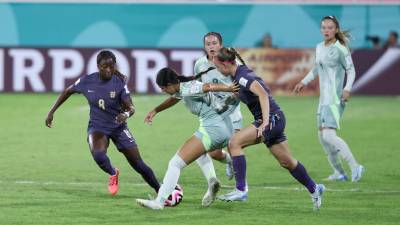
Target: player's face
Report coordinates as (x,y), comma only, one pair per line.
(221,67)
(169,89)
(212,45)
(106,68)
(328,29)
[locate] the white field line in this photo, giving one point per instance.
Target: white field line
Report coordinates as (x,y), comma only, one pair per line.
(89,184)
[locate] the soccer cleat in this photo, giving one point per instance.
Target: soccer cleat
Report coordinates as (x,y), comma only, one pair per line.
(113,183)
(229,171)
(337,177)
(211,193)
(235,195)
(356,174)
(151,204)
(316,197)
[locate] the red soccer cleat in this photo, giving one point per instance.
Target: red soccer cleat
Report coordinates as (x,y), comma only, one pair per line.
(113,183)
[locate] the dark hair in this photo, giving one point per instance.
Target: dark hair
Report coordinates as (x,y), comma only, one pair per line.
(229,55)
(342,35)
(105,54)
(167,76)
(216,34)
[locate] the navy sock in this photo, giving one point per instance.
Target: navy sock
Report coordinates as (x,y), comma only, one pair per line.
(146,173)
(239,166)
(103,162)
(301,175)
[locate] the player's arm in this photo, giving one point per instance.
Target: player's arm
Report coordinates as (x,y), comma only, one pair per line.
(258,90)
(312,74)
(60,100)
(128,109)
(347,62)
(169,102)
(234,87)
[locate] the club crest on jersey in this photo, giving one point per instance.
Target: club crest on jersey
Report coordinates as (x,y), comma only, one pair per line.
(112,94)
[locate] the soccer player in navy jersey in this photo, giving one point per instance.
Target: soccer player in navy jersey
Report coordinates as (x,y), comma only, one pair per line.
(269,126)
(110,107)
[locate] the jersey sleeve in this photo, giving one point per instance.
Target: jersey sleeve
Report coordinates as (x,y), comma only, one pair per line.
(125,93)
(191,88)
(79,85)
(347,62)
(313,72)
(245,80)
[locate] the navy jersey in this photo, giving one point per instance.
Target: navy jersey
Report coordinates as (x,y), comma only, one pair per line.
(104,98)
(245,77)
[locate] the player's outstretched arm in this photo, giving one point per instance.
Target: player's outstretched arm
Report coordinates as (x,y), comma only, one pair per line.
(60,100)
(234,87)
(171,101)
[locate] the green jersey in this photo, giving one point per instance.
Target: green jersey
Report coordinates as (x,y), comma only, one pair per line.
(213,76)
(331,64)
(198,102)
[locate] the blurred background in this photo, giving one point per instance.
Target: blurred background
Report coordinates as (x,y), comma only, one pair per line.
(47,45)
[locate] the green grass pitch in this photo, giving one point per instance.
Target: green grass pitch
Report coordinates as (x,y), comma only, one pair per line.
(49,177)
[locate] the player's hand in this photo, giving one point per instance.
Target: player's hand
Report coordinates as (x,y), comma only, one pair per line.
(297,89)
(121,118)
(346,96)
(49,120)
(261,128)
(234,87)
(149,117)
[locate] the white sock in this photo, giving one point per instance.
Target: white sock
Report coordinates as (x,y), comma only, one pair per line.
(332,154)
(176,164)
(329,135)
(207,167)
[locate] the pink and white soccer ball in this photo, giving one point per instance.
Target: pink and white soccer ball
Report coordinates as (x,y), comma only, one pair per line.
(175,197)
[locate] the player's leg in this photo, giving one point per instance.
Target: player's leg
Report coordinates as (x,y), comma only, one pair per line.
(330,117)
(333,159)
(98,144)
(126,144)
(241,139)
(190,151)
(282,153)
(330,136)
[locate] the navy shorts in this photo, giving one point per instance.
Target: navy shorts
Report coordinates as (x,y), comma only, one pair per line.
(274,132)
(121,137)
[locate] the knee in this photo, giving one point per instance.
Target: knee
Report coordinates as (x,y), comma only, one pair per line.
(288,163)
(98,155)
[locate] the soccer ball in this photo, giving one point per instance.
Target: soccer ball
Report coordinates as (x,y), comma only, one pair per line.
(175,197)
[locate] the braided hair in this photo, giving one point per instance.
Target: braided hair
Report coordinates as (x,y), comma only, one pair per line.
(167,76)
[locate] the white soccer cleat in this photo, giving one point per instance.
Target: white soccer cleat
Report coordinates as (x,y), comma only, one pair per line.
(229,171)
(356,174)
(151,204)
(211,193)
(337,177)
(316,197)
(235,195)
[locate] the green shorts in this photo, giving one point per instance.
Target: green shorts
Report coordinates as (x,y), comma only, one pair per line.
(216,135)
(329,115)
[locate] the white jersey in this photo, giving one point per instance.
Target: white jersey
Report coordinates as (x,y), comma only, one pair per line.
(331,64)
(214,76)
